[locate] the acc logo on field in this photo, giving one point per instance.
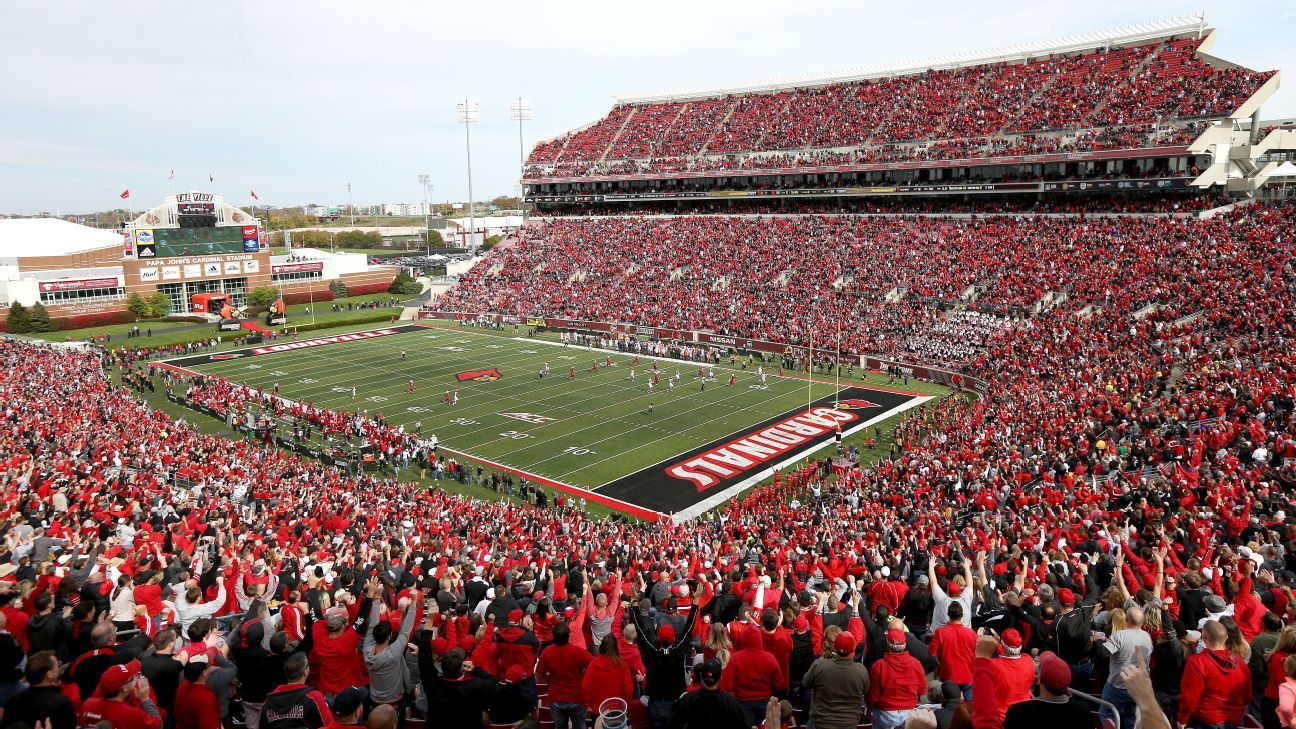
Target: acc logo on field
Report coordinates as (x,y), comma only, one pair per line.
(489,375)
(528,418)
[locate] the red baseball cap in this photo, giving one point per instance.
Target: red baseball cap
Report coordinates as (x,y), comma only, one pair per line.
(666,634)
(845,643)
(515,616)
(896,636)
(800,625)
(1065,596)
(1012,638)
(116,677)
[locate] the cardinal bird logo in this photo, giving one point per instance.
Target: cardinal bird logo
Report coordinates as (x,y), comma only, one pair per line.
(489,375)
(855,405)
(225,356)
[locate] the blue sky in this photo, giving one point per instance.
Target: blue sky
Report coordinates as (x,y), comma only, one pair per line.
(295,99)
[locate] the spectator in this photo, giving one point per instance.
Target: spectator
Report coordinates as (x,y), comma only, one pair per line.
(607,677)
(562,666)
(954,644)
(1216,683)
(753,674)
(709,706)
(294,704)
(1126,647)
(122,699)
(896,683)
(838,686)
(43,700)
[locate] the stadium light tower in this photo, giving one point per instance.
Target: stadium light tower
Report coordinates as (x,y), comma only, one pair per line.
(520,111)
(466,114)
(426,182)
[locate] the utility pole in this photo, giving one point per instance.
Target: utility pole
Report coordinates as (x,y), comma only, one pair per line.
(350,205)
(520,111)
(426,182)
(466,114)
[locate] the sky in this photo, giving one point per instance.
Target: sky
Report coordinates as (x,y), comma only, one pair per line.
(293,100)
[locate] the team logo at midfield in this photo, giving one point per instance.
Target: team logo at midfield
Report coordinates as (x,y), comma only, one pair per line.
(489,375)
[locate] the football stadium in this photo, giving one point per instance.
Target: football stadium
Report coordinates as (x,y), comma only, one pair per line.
(956,392)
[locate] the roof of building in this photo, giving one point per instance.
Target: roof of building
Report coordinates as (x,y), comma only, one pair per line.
(52,237)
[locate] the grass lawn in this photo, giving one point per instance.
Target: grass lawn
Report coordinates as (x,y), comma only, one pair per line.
(588,433)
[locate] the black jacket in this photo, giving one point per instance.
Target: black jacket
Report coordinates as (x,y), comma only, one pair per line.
(163,673)
(37,704)
(48,632)
(459,704)
(711,709)
(295,706)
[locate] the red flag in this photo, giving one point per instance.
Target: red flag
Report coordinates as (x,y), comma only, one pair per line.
(254,195)
(125,194)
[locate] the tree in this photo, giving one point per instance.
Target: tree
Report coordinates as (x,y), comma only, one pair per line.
(159,305)
(19,320)
(434,239)
(405,284)
(490,242)
(136,305)
(262,296)
(38,319)
(358,239)
(339,289)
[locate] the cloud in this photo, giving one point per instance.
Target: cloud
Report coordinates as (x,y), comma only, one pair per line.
(296,98)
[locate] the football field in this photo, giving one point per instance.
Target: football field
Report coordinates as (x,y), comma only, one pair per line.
(600,433)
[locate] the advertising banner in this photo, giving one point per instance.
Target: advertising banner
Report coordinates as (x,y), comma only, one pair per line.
(297,267)
(78,284)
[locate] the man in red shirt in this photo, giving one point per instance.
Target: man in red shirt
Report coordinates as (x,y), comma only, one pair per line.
(196,706)
(1014,673)
(335,655)
(1216,684)
(122,700)
(895,683)
(563,666)
(954,645)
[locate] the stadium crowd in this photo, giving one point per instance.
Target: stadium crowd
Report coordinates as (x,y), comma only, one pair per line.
(1115,515)
(1116,98)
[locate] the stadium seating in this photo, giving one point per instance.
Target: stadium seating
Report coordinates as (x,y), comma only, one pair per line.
(1162,416)
(1062,102)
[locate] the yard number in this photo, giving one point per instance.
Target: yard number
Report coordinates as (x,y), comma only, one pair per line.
(514,435)
(577,451)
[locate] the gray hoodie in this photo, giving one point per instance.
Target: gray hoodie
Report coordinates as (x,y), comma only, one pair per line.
(388,671)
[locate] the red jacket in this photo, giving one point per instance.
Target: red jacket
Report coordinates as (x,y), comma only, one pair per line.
(516,645)
(606,678)
(563,667)
(119,713)
(196,707)
(753,674)
(1216,688)
(954,645)
(896,682)
(779,645)
(335,662)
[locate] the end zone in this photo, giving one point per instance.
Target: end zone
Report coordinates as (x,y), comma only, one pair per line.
(690,484)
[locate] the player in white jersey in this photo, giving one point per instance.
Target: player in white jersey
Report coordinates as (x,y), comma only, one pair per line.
(632,373)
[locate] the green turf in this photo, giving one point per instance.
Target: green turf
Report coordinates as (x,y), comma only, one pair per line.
(600,429)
